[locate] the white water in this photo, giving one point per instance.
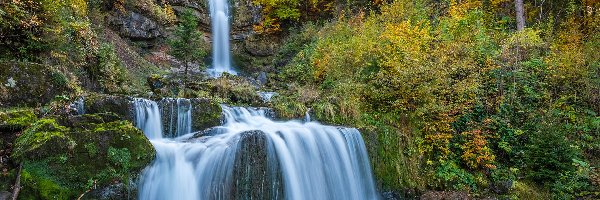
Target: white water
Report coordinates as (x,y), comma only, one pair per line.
(219,14)
(315,161)
(267,96)
(78,106)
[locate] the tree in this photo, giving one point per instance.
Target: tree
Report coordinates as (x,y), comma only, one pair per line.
(520,15)
(187,44)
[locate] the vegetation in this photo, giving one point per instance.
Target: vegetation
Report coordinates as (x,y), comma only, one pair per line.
(188,44)
(451,96)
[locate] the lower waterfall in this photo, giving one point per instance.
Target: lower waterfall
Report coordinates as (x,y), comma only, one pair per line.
(254,157)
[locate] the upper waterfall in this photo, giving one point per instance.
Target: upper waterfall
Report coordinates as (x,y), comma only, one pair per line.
(221,58)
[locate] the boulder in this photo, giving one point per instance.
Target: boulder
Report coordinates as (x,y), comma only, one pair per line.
(114,191)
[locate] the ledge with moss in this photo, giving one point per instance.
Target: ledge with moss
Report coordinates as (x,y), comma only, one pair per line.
(63,158)
(16,119)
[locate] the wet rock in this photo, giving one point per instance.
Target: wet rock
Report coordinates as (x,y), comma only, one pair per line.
(205,113)
(257,175)
(209,132)
(5,195)
(390,196)
(502,187)
(135,26)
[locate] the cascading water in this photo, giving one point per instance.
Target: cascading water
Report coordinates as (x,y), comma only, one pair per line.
(219,13)
(147,118)
(253,157)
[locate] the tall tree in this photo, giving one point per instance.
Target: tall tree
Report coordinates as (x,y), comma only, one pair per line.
(187,44)
(520,10)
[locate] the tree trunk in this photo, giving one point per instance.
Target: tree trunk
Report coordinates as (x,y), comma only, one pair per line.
(520,10)
(17,187)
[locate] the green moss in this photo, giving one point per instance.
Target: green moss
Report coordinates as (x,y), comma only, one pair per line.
(37,184)
(45,134)
(60,162)
(17,119)
(207,113)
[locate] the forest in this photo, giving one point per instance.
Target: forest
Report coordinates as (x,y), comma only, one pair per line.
(455,99)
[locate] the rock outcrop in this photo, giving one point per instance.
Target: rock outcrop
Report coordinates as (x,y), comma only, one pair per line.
(135,26)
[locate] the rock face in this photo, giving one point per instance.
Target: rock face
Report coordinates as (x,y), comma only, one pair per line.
(135,26)
(28,84)
(257,175)
(62,158)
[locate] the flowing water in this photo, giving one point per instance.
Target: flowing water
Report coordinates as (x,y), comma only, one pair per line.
(219,14)
(254,157)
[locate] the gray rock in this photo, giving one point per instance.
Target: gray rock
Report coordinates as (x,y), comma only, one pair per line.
(257,173)
(262,78)
(135,26)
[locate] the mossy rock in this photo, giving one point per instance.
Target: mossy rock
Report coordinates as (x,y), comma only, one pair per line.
(30,84)
(44,138)
(205,114)
(62,161)
(16,119)
(102,103)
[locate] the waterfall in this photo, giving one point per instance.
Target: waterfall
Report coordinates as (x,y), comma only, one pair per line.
(78,106)
(221,59)
(307,115)
(147,118)
(254,157)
